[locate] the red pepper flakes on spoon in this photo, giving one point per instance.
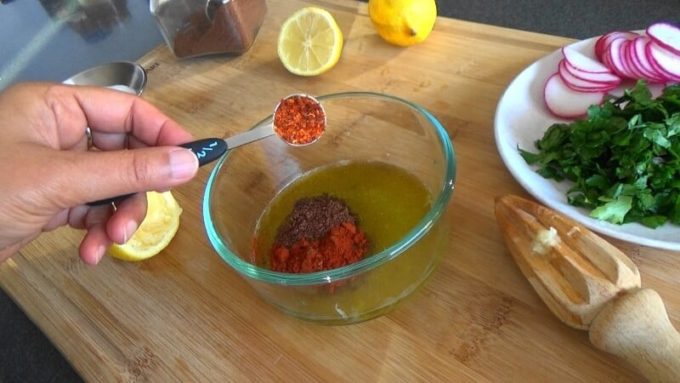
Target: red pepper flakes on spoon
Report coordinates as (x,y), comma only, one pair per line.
(299,119)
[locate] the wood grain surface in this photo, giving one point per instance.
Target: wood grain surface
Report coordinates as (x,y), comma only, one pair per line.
(186,316)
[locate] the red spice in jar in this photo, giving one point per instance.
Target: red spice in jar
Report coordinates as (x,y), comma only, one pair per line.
(299,120)
(320,234)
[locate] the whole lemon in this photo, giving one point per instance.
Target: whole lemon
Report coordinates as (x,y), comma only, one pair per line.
(403,22)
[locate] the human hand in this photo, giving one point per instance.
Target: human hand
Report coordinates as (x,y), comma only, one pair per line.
(47,173)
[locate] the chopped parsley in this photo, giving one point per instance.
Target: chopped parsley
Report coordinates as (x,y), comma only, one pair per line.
(623,158)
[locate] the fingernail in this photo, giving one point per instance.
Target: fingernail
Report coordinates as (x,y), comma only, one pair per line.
(100,254)
(129,231)
(183,164)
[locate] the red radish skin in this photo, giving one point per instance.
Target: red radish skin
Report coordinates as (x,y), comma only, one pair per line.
(565,102)
(579,84)
(666,35)
(616,58)
(639,56)
(602,78)
(582,62)
(664,61)
(581,81)
(602,43)
(607,62)
(627,58)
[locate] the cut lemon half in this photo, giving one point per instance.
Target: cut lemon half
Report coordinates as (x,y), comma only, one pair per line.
(310,42)
(156,230)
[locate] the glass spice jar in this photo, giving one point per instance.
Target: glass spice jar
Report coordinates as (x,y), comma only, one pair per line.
(203,27)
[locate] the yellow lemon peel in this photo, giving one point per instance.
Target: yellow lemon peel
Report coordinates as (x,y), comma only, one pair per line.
(403,22)
(156,230)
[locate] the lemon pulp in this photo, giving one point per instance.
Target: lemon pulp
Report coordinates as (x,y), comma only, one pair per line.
(156,230)
(310,42)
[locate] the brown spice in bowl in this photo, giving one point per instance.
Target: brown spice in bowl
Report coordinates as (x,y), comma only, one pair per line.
(321,233)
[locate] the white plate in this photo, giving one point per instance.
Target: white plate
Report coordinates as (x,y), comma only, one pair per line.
(521,119)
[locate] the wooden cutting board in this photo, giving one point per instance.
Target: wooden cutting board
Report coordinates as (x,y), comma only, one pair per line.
(185,316)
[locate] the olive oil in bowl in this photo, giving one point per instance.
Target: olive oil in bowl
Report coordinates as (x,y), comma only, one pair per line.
(388,202)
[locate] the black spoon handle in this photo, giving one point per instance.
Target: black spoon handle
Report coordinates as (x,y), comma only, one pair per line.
(206,150)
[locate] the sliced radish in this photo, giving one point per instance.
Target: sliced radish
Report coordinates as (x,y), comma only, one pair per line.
(664,61)
(603,78)
(607,62)
(666,35)
(614,65)
(639,57)
(615,56)
(580,84)
(565,102)
(627,59)
(625,62)
(597,49)
(582,62)
(581,80)
(603,41)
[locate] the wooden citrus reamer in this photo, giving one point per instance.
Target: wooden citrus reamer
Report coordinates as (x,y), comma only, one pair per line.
(591,285)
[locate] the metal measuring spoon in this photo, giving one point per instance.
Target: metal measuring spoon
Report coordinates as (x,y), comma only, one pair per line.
(295,132)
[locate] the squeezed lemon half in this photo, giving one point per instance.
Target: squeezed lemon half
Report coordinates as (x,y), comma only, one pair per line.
(310,42)
(156,230)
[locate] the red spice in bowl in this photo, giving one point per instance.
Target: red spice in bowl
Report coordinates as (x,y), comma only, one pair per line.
(320,234)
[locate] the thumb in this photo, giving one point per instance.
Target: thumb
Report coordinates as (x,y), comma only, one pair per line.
(91,176)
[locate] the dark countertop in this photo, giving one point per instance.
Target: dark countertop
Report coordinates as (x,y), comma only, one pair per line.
(44,46)
(38,44)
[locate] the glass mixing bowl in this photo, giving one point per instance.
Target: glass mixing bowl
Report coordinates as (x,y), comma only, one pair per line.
(361,126)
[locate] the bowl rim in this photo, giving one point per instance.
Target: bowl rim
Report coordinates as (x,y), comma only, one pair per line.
(327,276)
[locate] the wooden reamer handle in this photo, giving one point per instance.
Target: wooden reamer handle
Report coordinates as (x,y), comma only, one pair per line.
(635,327)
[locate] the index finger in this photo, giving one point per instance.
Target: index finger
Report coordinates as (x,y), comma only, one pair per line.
(110,111)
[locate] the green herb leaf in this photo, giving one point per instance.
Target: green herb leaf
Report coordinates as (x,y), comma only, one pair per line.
(623,158)
(613,211)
